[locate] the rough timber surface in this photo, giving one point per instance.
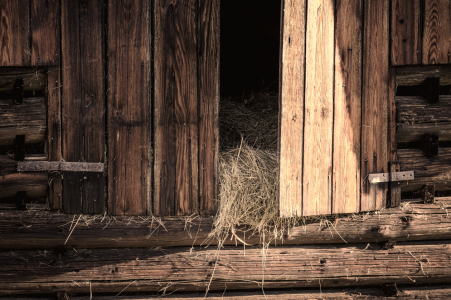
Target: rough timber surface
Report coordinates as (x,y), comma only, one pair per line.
(347,107)
(208,82)
(34,78)
(404,292)
(41,229)
(27,119)
(406,44)
(129,156)
(194,269)
(318,118)
(35,184)
(375,89)
(292,108)
(14,33)
(45,32)
(415,109)
(176,108)
(414,132)
(415,75)
(437,32)
(83,103)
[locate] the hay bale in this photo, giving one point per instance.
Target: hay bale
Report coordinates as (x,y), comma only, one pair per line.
(248,166)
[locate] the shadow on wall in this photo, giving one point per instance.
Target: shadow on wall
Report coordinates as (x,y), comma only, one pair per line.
(250,35)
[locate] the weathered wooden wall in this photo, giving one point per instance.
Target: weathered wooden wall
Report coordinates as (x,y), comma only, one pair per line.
(115,75)
(334,122)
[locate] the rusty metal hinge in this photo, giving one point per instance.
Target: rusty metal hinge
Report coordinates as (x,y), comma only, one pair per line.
(390,177)
(39,166)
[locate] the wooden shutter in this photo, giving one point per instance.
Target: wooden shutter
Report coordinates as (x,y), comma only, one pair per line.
(186,106)
(333,101)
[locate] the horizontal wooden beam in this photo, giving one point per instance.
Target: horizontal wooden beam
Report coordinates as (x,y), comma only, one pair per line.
(21,230)
(35,184)
(415,132)
(414,160)
(404,292)
(442,182)
(416,109)
(197,268)
(34,79)
(415,75)
(29,119)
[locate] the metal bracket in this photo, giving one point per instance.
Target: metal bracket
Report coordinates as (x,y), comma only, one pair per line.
(39,166)
(390,177)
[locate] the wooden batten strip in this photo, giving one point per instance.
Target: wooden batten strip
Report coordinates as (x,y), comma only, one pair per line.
(415,132)
(176,108)
(34,79)
(195,269)
(406,27)
(83,105)
(415,75)
(347,107)
(45,32)
(14,33)
(291,143)
(375,95)
(129,112)
(27,119)
(318,118)
(208,93)
(437,32)
(415,109)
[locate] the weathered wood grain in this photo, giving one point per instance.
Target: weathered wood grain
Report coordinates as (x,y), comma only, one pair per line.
(35,184)
(54,139)
(34,79)
(442,182)
(406,27)
(404,292)
(414,160)
(437,32)
(414,132)
(45,32)
(415,75)
(391,130)
(415,109)
(318,119)
(347,107)
(15,49)
(83,104)
(412,221)
(8,165)
(208,89)
(129,156)
(191,269)
(291,111)
(176,108)
(395,186)
(375,91)
(27,119)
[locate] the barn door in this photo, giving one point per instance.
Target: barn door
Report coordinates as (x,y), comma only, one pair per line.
(333,106)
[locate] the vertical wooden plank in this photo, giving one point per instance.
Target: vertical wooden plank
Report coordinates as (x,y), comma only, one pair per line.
(395,186)
(14,31)
(374,102)
(437,32)
(83,103)
(406,32)
(347,107)
(208,90)
(54,133)
(129,107)
(291,135)
(176,108)
(319,85)
(45,32)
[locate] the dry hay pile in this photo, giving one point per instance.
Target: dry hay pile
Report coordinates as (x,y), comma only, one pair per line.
(248,165)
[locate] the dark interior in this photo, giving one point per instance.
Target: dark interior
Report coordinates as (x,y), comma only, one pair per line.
(250,41)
